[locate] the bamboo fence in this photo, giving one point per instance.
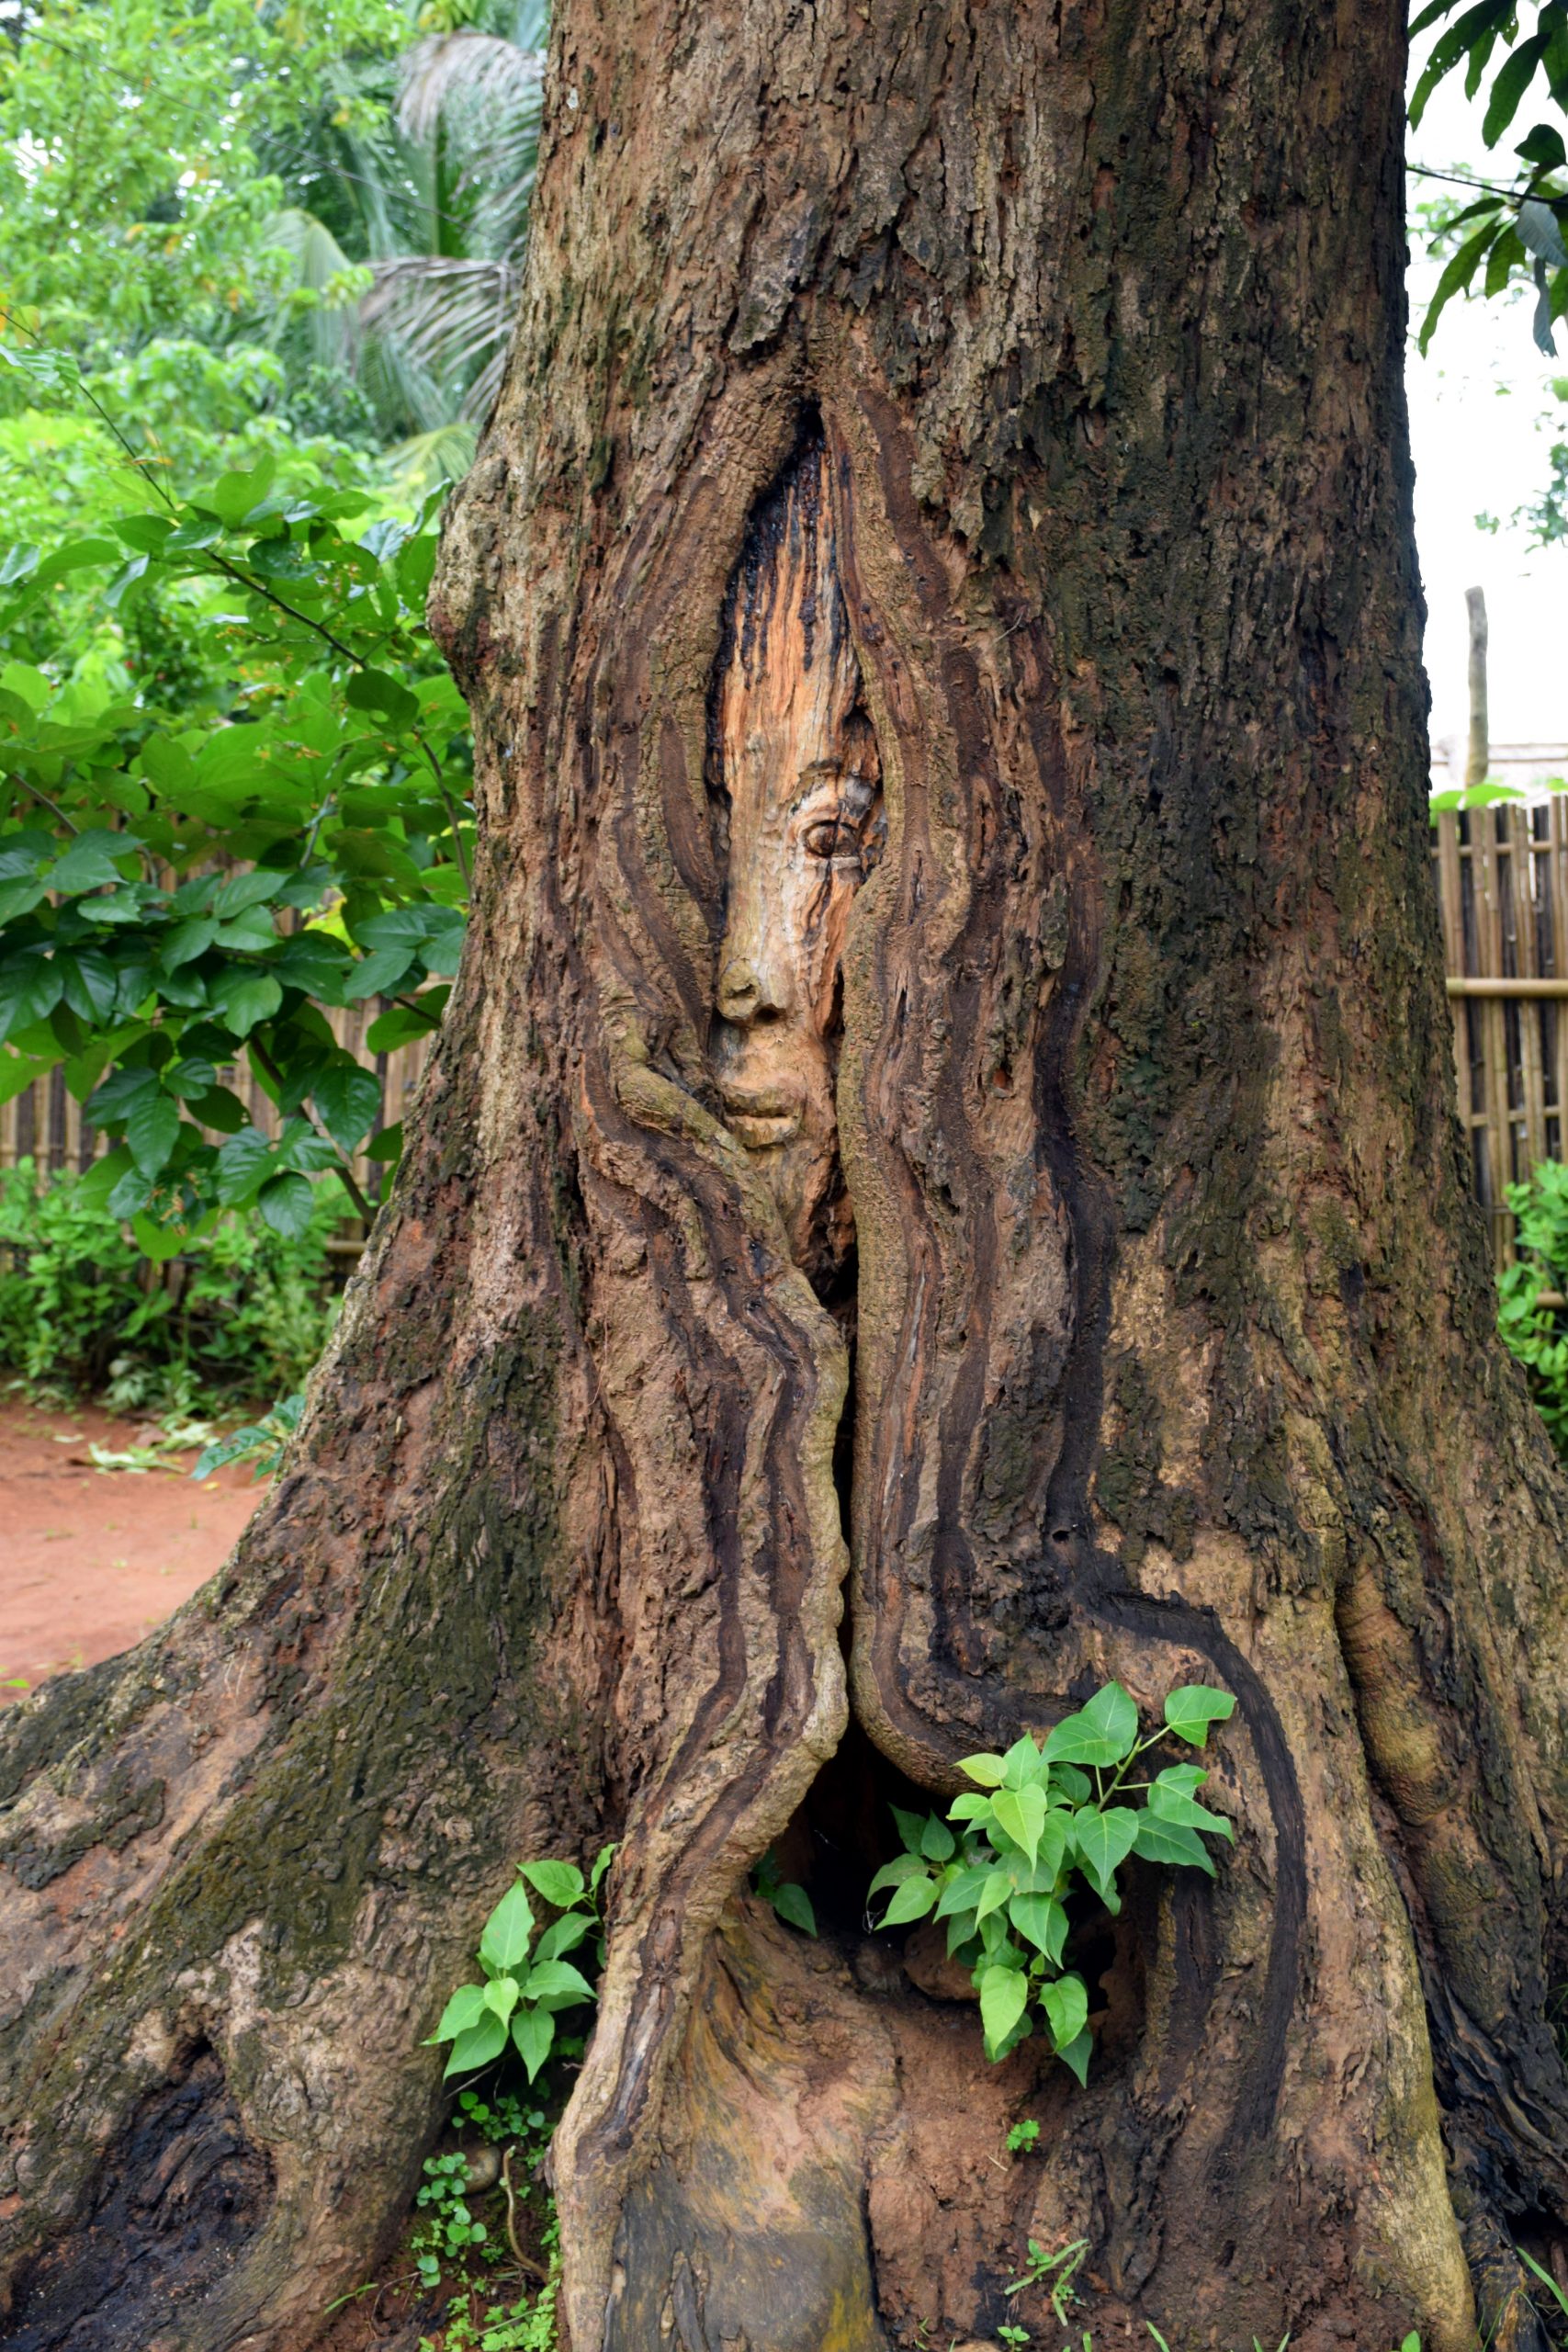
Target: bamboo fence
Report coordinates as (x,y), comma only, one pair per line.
(1502,876)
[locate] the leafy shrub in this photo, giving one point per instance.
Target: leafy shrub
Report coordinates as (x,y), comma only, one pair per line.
(1047,1816)
(1537,1334)
(240,1314)
(522,1996)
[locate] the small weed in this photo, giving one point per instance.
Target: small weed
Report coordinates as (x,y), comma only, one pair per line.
(450,2230)
(790,1901)
(1022,2136)
(1061,2269)
(1015,2337)
(524,1994)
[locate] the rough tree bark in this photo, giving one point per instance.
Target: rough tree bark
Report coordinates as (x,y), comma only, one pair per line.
(1033,375)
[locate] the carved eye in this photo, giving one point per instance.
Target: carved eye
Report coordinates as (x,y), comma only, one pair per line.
(830,837)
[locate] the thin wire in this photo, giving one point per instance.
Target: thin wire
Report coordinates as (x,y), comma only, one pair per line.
(1488,188)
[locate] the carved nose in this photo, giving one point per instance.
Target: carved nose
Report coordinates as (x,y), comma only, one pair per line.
(746,994)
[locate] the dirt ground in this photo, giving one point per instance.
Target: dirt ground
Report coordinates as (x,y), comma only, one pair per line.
(92,1559)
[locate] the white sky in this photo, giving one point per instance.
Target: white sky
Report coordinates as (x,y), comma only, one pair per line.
(1483,417)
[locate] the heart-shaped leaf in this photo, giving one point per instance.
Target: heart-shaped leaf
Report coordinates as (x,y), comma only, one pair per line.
(533,2032)
(911,1900)
(505,1943)
(1003,1993)
(1021,1814)
(1066,2004)
(476,2046)
(560,1882)
(1104,1839)
(1189,1710)
(464,2009)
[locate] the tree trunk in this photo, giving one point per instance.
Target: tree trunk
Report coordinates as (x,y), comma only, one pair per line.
(951,1050)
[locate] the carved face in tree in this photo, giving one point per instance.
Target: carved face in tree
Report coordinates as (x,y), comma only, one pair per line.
(799,782)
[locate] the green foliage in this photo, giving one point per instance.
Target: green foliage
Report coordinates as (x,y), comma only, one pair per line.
(1060,2268)
(245,1312)
(790,1901)
(262,1443)
(1535,1333)
(522,2326)
(333,764)
(526,1986)
(449,2229)
(1022,2137)
(1046,1817)
(1517,229)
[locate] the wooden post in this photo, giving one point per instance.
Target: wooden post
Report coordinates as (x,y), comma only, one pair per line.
(1480,756)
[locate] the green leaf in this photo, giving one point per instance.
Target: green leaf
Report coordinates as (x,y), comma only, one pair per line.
(464,2009)
(1042,1922)
(533,2032)
(1456,276)
(1168,1842)
(388,1145)
(1004,1992)
(1510,84)
(151,1128)
(90,982)
(961,1892)
(912,1900)
(911,1828)
(1104,1841)
(938,1843)
(1023,1766)
(373,690)
(501,1994)
(1169,1803)
(1077,2054)
(159,1243)
(997,1891)
(1544,147)
(287,1204)
(895,1872)
(988,1771)
(476,2047)
(234,495)
(348,1101)
(398,1026)
(1021,1813)
(561,1883)
(792,1902)
(91,862)
(558,1984)
(563,1935)
(1066,2004)
(1112,1714)
(1189,1710)
(241,999)
(505,1943)
(30,988)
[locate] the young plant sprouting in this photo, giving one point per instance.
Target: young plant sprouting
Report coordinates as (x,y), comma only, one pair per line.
(523,1994)
(1040,1816)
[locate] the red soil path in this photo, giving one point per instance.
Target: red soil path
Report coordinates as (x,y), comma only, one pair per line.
(92,1559)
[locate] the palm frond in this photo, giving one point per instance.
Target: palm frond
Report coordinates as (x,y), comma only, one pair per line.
(477,88)
(426,459)
(452,319)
